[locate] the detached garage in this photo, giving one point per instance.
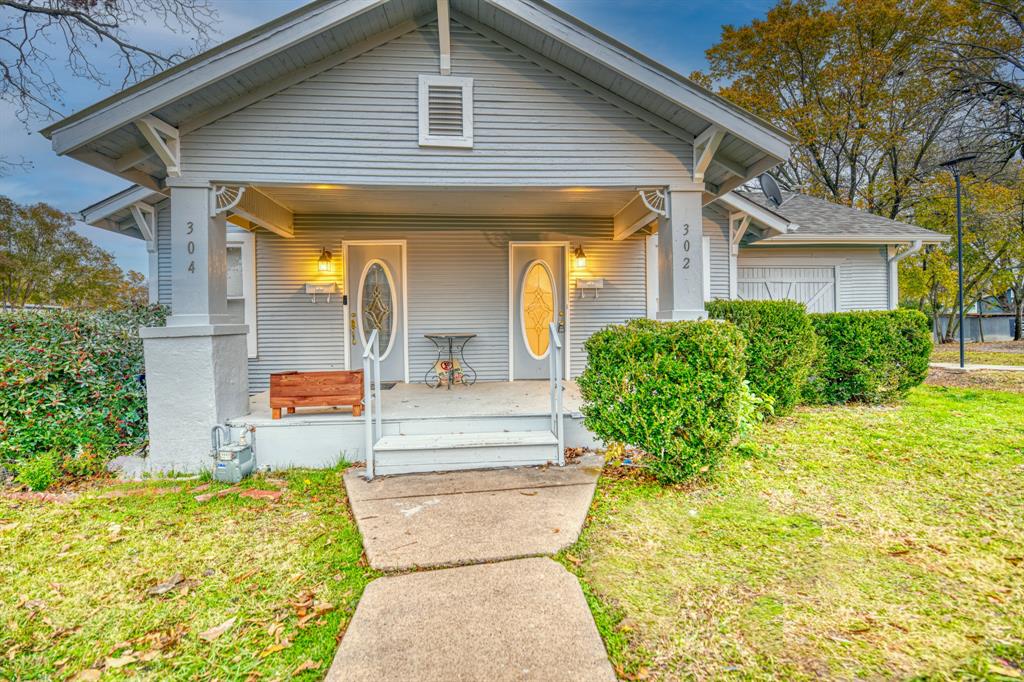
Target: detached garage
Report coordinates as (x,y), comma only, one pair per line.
(829,257)
(813,286)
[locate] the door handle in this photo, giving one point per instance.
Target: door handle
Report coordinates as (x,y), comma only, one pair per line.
(561,321)
(353,326)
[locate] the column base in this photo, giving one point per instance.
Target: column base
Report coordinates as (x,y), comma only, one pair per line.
(196,377)
(677,315)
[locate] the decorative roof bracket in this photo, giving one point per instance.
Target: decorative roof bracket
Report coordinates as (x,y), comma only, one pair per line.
(223,198)
(165,141)
(655,199)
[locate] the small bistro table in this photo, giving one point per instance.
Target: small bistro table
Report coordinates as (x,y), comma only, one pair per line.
(454,344)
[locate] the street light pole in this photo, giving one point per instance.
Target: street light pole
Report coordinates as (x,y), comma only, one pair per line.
(953,166)
(959,262)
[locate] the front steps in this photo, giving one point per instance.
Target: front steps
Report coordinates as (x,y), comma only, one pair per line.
(432,452)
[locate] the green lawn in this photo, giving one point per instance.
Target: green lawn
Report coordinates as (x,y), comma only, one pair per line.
(75,581)
(996,353)
(864,543)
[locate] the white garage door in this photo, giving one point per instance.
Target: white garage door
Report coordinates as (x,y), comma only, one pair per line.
(814,287)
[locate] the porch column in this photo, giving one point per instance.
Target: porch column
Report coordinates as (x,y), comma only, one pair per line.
(196,366)
(680,258)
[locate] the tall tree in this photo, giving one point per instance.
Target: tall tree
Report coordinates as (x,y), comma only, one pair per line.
(986,58)
(88,39)
(44,261)
(856,82)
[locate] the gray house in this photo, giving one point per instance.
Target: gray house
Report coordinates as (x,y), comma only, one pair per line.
(413,172)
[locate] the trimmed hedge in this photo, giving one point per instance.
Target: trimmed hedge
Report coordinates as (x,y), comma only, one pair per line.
(70,387)
(781,346)
(673,389)
(871,357)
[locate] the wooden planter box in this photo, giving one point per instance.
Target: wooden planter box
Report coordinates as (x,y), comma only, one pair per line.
(316,389)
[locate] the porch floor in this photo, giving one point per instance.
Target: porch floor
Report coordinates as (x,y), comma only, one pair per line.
(405,401)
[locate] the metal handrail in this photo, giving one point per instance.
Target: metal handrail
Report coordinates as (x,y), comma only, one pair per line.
(371,417)
(555,358)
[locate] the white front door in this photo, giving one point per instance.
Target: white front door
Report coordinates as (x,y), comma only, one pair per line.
(375,284)
(538,294)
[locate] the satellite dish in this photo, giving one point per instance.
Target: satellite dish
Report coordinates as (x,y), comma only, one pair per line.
(771,189)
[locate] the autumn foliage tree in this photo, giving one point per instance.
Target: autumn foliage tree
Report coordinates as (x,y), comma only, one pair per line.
(856,82)
(44,261)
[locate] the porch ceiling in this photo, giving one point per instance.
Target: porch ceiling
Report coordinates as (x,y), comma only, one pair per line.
(568,201)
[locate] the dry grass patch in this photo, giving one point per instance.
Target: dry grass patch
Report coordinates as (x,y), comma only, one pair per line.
(991,353)
(168,588)
(872,543)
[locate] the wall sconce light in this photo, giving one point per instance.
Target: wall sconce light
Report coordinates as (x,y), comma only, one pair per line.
(579,258)
(325,262)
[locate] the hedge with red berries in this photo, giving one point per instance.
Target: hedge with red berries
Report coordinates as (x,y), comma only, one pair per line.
(71,384)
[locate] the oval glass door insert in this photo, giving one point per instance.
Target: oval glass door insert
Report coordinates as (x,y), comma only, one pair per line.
(377,305)
(538,308)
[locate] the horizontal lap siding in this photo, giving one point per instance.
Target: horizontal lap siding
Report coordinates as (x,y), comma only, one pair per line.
(457,280)
(163,251)
(357,123)
(862,278)
(716,228)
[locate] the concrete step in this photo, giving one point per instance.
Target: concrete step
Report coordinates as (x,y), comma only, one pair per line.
(465,424)
(459,451)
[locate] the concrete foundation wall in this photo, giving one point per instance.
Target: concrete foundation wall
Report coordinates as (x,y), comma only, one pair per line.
(194,380)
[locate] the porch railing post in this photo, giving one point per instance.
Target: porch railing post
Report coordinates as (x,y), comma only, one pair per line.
(555,358)
(368,416)
(376,379)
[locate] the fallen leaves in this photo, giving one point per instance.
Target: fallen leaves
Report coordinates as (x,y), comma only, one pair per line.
(304,666)
(216,631)
(89,675)
(166,586)
(121,661)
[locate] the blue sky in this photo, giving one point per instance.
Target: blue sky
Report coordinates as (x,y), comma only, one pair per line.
(675,32)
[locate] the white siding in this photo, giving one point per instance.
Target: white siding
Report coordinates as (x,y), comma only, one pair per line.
(862,275)
(357,123)
(163,251)
(457,279)
(716,228)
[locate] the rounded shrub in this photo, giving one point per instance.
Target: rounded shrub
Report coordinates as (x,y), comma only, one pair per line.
(70,388)
(781,346)
(869,356)
(673,389)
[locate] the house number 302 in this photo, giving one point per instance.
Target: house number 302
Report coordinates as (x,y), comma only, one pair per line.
(686,246)
(190,246)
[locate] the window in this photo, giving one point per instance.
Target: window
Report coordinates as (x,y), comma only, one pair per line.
(446,111)
(241,277)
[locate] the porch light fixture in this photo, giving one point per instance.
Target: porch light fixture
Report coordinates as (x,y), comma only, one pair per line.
(579,258)
(325,262)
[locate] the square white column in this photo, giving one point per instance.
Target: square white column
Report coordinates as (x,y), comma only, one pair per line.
(198,257)
(680,256)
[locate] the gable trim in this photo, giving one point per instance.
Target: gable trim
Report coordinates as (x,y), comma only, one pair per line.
(189,76)
(602,48)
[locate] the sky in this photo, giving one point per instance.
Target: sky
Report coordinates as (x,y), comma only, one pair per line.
(674,32)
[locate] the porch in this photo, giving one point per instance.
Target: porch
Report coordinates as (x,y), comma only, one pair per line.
(322,437)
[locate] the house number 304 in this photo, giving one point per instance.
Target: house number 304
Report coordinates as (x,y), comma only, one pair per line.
(190,246)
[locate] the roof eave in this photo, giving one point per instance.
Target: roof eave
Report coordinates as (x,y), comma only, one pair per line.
(806,238)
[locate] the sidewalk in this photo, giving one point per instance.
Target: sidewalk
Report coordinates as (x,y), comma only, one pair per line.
(955,367)
(497,615)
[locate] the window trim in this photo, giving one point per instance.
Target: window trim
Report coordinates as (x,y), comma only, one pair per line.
(425,138)
(246,241)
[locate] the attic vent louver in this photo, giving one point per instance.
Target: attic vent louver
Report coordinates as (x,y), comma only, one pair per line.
(445,111)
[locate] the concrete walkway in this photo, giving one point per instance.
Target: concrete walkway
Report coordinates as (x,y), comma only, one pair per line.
(496,616)
(955,367)
(471,517)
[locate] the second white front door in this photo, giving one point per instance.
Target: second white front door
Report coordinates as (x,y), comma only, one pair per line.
(538,298)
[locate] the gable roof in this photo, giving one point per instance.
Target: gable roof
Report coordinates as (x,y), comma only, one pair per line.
(327,32)
(821,221)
